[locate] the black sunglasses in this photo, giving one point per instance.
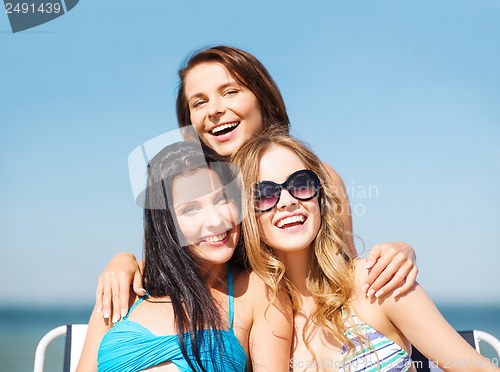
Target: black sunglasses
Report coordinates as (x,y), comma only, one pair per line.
(303,185)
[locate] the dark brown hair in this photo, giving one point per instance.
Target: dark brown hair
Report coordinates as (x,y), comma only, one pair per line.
(247,71)
(172,270)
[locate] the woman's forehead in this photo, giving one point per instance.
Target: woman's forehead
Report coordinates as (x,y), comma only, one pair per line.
(277,163)
(205,76)
(195,184)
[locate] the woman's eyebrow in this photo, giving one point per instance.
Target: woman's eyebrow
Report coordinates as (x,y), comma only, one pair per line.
(196,198)
(196,95)
(220,87)
(184,203)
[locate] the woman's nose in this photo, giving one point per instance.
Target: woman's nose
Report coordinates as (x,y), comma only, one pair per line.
(213,217)
(215,107)
(286,199)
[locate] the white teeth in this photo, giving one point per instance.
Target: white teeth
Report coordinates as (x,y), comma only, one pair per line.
(216,238)
(222,127)
(292,219)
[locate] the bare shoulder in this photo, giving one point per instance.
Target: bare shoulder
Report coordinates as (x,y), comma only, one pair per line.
(256,281)
(247,285)
(255,291)
(375,311)
(372,309)
(360,276)
(97,328)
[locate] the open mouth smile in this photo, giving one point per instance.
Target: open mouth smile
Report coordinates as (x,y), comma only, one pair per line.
(290,222)
(213,239)
(224,128)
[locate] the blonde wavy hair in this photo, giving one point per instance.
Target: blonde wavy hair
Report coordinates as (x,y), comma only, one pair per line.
(330,279)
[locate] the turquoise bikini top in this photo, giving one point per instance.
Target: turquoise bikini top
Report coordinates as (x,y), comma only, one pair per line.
(129,346)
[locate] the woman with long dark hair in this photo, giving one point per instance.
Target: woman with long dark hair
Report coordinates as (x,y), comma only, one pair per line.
(203,309)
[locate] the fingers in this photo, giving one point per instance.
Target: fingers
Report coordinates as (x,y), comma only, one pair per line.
(394,283)
(99,295)
(393,270)
(106,296)
(124,298)
(382,272)
(373,255)
(115,289)
(138,284)
(407,250)
(110,285)
(411,280)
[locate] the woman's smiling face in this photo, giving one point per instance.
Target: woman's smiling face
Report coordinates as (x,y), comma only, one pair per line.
(292,225)
(224,113)
(205,216)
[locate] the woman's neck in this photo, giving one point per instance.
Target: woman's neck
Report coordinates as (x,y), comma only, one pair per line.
(215,276)
(297,266)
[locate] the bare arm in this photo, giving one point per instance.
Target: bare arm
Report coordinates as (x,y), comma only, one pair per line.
(272,330)
(95,332)
(337,185)
(393,265)
(113,287)
(422,324)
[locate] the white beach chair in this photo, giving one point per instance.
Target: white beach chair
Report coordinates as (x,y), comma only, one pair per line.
(474,338)
(74,338)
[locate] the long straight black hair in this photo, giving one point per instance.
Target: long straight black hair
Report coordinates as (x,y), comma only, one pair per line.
(170,269)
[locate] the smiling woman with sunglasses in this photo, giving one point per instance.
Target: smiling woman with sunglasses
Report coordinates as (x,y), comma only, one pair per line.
(293,236)
(302,185)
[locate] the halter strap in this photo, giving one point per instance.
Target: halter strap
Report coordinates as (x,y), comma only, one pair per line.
(230,297)
(135,304)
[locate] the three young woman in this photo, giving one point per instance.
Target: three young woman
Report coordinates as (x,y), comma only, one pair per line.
(298,235)
(203,310)
(229,97)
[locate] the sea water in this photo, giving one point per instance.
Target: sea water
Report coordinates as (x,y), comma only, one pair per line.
(21,329)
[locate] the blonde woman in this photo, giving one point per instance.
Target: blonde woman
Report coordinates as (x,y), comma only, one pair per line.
(293,235)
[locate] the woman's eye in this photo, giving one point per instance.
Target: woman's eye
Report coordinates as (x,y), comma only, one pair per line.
(231,92)
(189,210)
(221,199)
(198,103)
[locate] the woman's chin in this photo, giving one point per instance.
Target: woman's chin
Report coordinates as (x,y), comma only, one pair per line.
(214,255)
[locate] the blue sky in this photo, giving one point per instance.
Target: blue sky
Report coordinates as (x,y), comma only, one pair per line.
(401,98)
